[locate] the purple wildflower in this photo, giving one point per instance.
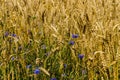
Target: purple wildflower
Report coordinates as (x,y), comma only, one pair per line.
(75,35)
(81,56)
(6,34)
(65,65)
(13,35)
(71,42)
(53,79)
(13,58)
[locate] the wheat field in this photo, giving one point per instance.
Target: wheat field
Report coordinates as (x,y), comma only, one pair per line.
(59,39)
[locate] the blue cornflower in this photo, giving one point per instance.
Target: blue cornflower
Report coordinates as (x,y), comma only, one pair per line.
(71,42)
(29,66)
(6,34)
(75,35)
(13,35)
(36,71)
(81,56)
(53,79)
